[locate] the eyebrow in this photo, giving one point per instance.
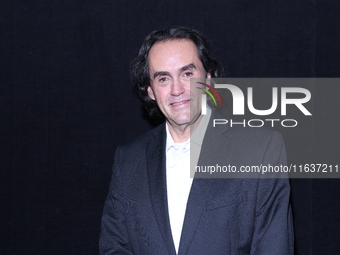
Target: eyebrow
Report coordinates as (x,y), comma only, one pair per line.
(160,73)
(190,66)
(184,68)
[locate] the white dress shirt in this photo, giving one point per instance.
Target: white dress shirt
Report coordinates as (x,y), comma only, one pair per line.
(178,159)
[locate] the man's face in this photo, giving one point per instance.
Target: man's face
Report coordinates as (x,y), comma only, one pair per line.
(171,65)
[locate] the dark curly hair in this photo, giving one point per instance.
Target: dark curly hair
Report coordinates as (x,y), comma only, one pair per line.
(139,69)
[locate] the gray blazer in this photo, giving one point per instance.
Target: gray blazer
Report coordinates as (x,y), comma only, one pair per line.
(223,215)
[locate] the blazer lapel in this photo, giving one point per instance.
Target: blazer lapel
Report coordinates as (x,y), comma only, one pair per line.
(156,168)
(197,199)
(214,140)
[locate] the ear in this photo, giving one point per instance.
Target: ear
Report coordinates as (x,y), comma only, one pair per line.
(208,81)
(150,92)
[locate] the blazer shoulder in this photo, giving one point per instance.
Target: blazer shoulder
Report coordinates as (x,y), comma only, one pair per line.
(252,134)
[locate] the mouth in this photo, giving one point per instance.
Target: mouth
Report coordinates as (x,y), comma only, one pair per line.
(180,103)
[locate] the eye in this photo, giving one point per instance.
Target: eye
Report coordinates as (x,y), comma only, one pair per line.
(163,79)
(188,74)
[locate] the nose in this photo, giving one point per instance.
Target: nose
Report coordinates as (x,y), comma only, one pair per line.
(177,87)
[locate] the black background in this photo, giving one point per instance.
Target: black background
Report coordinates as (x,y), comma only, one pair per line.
(66,102)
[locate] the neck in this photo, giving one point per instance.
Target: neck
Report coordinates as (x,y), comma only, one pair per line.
(181,133)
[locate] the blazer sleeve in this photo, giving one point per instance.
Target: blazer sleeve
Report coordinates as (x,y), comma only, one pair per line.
(273,232)
(114,235)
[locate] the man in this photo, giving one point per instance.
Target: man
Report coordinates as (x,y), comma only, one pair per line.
(153,207)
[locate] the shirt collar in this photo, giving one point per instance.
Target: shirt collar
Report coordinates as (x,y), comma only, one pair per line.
(196,137)
(170,143)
